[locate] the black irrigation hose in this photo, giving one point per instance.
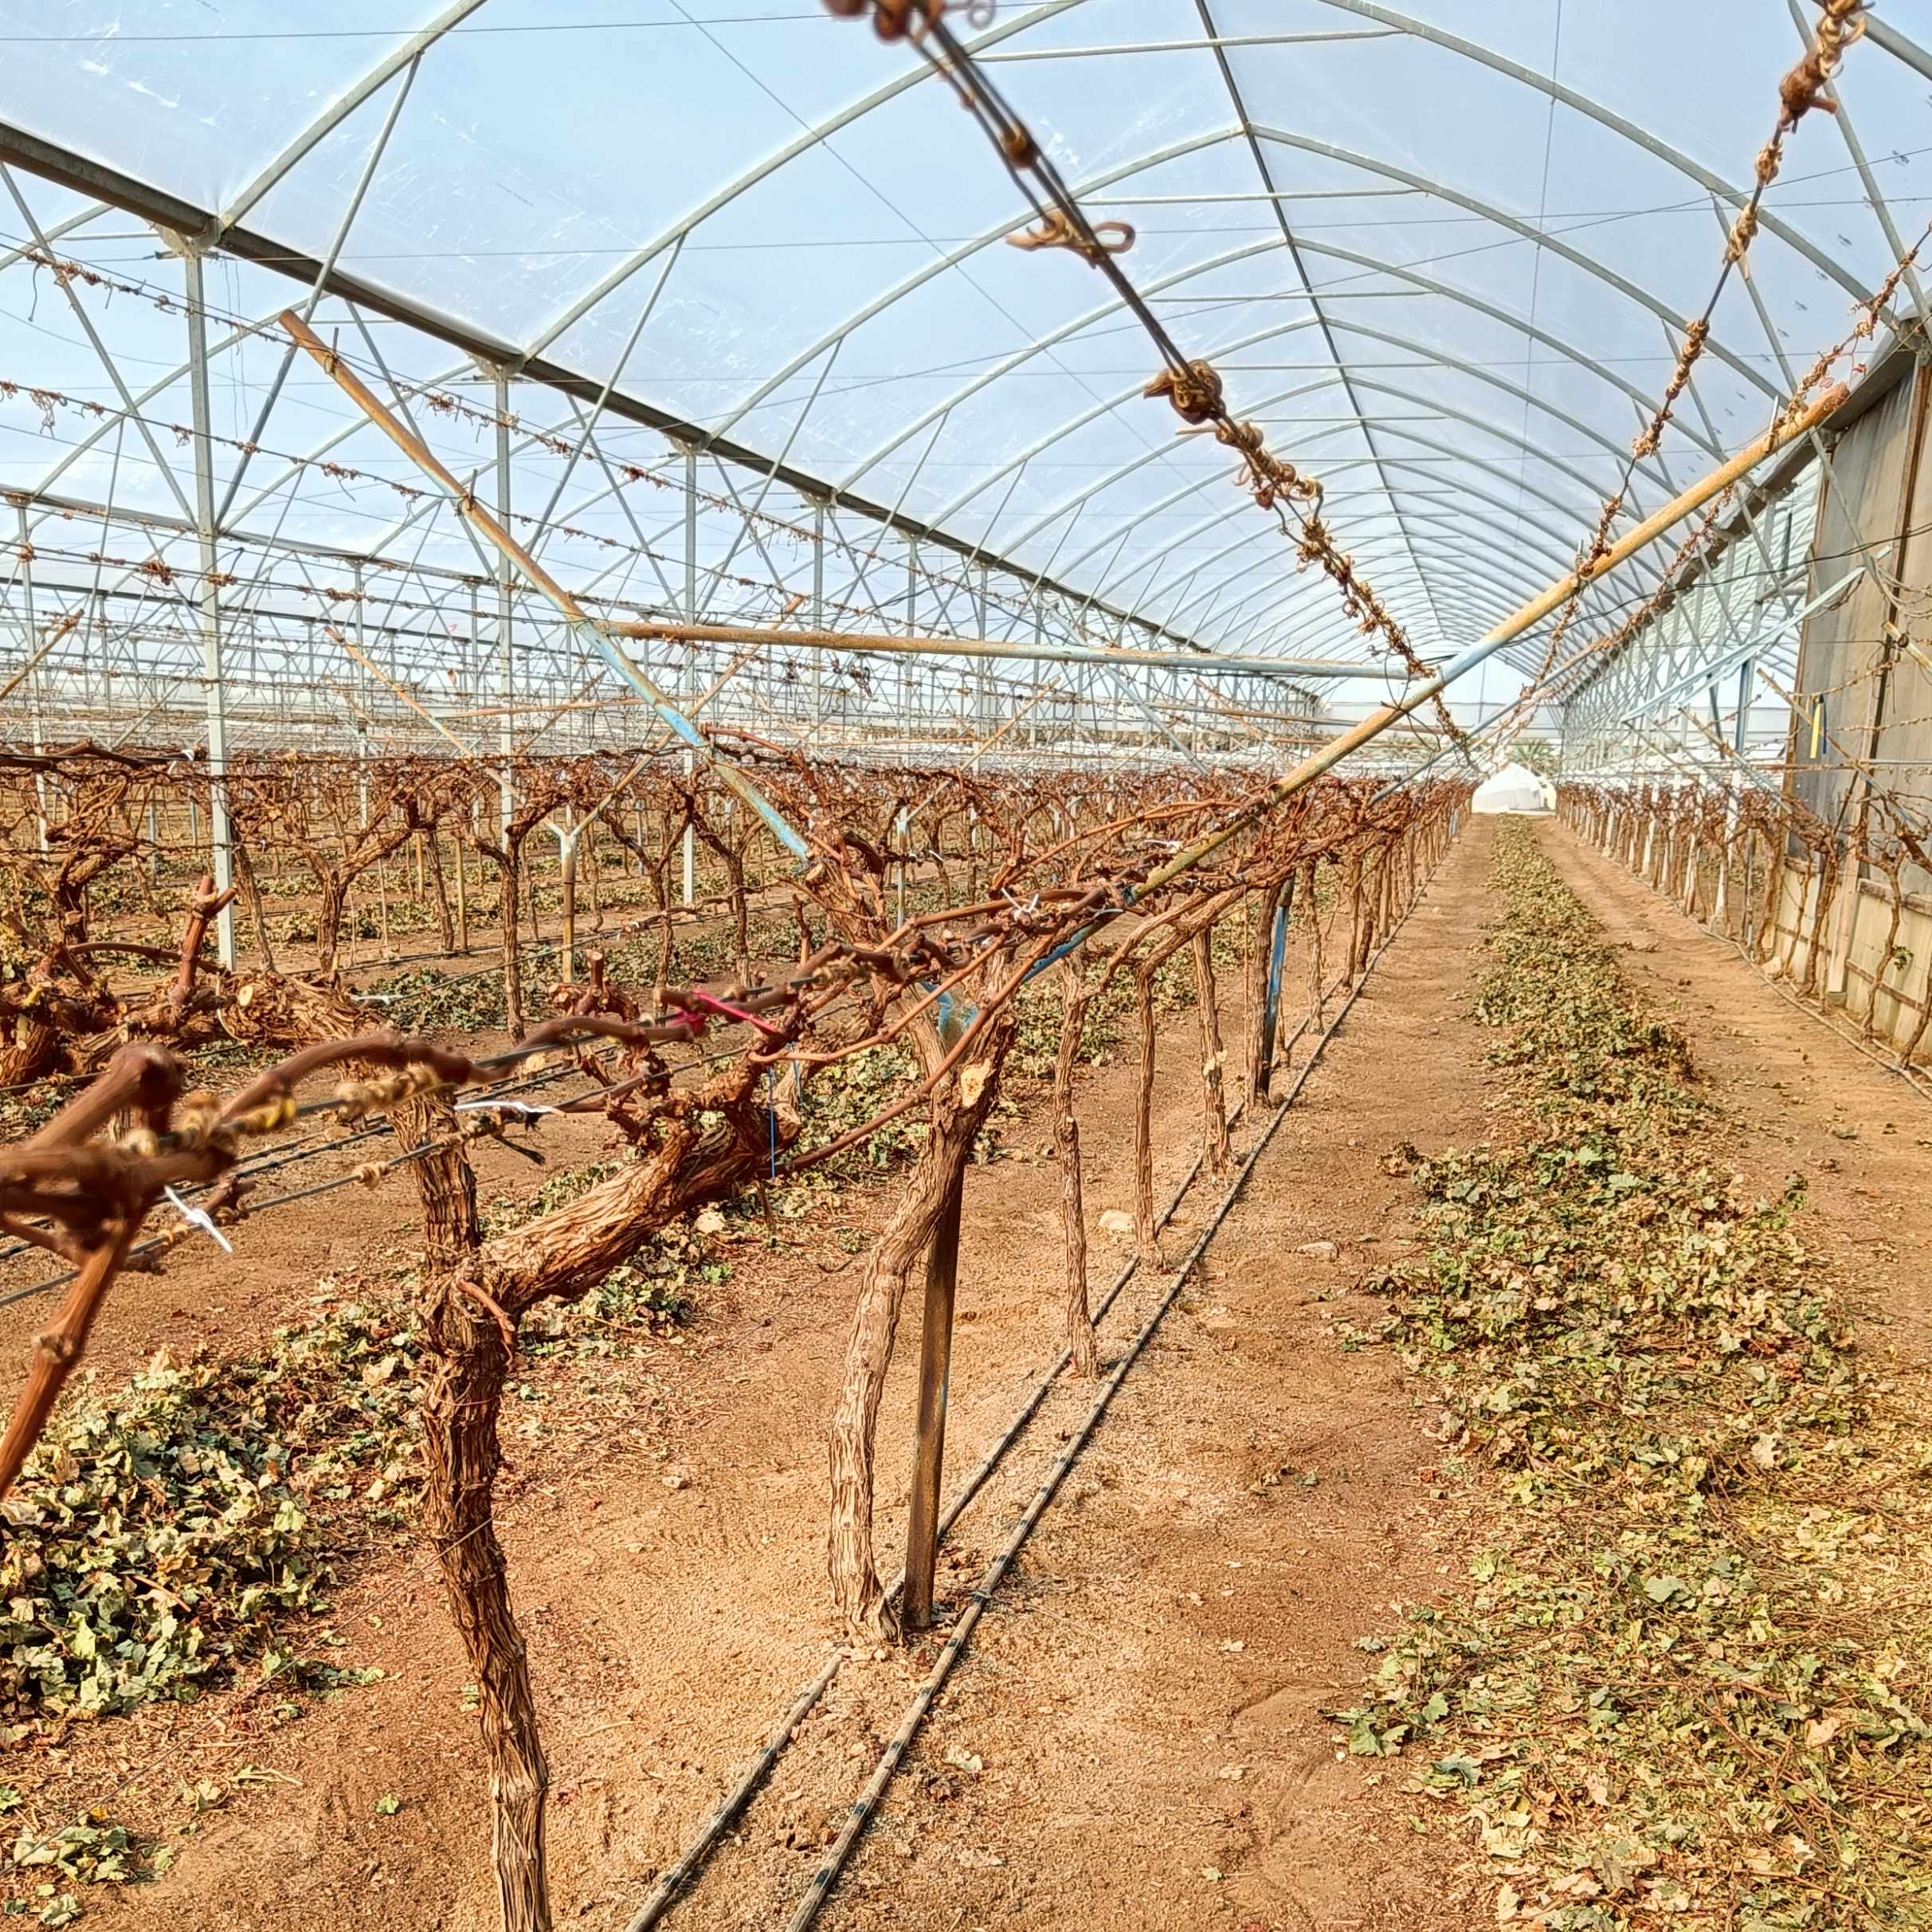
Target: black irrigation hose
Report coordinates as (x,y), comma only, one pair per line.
(721,1820)
(734,1800)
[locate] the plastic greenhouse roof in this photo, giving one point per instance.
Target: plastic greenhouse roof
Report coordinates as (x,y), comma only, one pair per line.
(1443,252)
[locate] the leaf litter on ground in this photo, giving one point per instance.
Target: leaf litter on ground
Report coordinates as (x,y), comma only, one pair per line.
(1689,1680)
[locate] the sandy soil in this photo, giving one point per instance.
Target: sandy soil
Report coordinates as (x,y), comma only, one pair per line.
(1143,1702)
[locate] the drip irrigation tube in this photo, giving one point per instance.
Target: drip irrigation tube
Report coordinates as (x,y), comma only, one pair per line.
(675,1878)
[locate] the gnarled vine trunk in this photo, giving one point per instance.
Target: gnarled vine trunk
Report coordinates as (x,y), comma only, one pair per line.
(1214,1104)
(1080,1342)
(956,1110)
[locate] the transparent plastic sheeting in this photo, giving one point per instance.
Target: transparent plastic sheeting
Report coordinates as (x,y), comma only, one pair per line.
(1443,252)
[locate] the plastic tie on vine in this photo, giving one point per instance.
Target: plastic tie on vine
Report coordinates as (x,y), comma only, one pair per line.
(199,1217)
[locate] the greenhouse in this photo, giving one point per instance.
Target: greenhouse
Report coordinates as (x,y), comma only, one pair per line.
(966,963)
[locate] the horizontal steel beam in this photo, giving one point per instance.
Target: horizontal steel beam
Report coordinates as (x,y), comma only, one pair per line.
(1225,663)
(52,162)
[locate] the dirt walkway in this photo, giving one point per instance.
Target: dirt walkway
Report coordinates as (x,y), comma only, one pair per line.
(1136,1731)
(1135,1734)
(1811,1102)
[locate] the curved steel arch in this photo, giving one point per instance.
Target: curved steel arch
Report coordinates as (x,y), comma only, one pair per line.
(1484,209)
(1400,509)
(1091,318)
(1527,581)
(1040,524)
(1488,211)
(953,258)
(1484,465)
(1475,205)
(1406,468)
(1398,461)
(1478,206)
(1324,619)
(1325,615)
(812,138)
(1646,466)
(1439,408)
(1596,111)
(1463,298)
(956,257)
(339,111)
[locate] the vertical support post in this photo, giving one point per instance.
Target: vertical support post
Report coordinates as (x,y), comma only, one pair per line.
(818,615)
(691,841)
(690,534)
(1271,1010)
(360,676)
(507,666)
(929,1452)
(691,615)
(901,826)
(220,850)
(34,676)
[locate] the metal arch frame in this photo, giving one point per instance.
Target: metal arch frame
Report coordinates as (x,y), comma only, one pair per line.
(1013,464)
(1321,617)
(1464,492)
(1041,524)
(965,251)
(1420,349)
(1403,465)
(1451,566)
(49,161)
(1298,623)
(1259,157)
(1483,463)
(1204,480)
(287,482)
(1429,285)
(1726,573)
(1563,348)
(959,256)
(1044,12)
(1881,208)
(1475,205)
(813,137)
(1646,466)
(1091,318)
(1596,111)
(1881,33)
(332,117)
(1467,299)
(1516,225)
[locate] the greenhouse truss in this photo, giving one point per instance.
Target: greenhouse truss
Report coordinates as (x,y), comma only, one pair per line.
(719,314)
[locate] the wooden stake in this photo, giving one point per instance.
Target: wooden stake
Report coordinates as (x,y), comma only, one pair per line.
(929,1449)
